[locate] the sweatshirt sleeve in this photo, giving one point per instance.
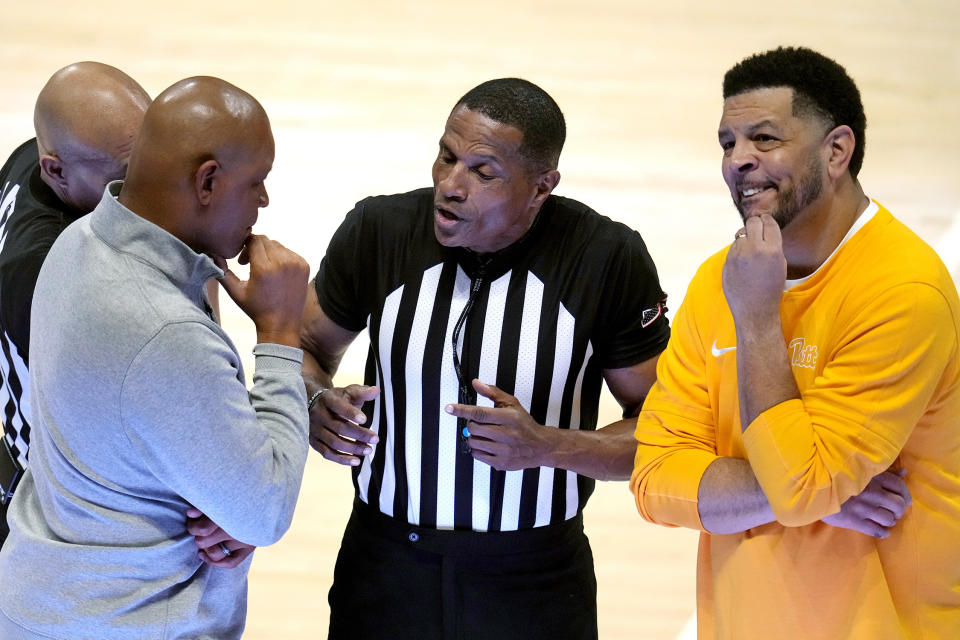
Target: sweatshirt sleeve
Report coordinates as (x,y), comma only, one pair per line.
(236,456)
(676,432)
(812,454)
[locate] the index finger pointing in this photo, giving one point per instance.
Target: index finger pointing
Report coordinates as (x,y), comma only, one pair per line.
(480,415)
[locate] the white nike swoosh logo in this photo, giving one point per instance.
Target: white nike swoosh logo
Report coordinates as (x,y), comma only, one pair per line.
(719,352)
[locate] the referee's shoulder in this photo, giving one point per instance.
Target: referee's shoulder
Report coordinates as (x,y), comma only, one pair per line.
(392,219)
(587,224)
(391,205)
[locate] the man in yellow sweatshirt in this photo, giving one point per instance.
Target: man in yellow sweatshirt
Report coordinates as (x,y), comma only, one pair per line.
(806,416)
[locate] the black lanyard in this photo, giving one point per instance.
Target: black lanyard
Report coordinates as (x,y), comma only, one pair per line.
(465,390)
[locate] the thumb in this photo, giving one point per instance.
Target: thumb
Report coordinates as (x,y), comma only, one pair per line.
(235,287)
(492,392)
(363,394)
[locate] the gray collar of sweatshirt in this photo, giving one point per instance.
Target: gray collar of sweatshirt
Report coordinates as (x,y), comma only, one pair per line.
(127,232)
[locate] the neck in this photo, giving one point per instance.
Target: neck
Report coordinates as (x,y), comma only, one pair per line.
(139,203)
(160,209)
(514,238)
(818,230)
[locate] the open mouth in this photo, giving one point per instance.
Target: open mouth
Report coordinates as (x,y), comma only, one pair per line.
(445,215)
(751,193)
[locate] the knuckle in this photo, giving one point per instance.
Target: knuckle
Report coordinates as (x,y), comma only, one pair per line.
(339,429)
(854,509)
(875,527)
(327,452)
(355,448)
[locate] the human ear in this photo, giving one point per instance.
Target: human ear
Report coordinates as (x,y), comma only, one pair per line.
(546,183)
(205,179)
(51,168)
(840,143)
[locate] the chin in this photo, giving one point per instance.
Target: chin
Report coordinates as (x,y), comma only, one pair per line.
(225,253)
(754,212)
(445,239)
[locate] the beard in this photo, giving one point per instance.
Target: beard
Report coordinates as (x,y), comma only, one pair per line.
(794,199)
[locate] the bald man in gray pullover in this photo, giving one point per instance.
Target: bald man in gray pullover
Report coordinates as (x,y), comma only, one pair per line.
(140,408)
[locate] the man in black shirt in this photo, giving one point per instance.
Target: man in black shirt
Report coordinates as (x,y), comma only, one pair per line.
(495,312)
(86,118)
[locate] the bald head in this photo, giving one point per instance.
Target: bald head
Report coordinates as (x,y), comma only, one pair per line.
(86,119)
(198,166)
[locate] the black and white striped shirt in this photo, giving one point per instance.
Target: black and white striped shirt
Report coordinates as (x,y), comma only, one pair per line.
(576,295)
(31,218)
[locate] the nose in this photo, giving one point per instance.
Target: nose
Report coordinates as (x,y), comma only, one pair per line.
(264,198)
(741,157)
(450,182)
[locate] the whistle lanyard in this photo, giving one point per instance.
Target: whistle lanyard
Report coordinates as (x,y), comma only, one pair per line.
(465,395)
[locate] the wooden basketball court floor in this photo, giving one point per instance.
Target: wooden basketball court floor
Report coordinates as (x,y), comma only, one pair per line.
(358,94)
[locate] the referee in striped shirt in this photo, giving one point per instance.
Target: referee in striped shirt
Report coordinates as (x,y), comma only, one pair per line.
(495,311)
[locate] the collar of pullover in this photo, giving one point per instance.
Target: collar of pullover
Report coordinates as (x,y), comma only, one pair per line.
(139,238)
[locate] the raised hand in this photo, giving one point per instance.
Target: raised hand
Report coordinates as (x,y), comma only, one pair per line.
(504,436)
(274,294)
(335,420)
(755,271)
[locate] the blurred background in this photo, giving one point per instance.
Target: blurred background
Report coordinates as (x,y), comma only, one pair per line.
(358,94)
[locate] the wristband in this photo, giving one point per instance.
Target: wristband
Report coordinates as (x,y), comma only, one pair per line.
(316,396)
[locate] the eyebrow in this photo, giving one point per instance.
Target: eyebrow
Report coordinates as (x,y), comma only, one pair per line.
(753,128)
(762,124)
(483,157)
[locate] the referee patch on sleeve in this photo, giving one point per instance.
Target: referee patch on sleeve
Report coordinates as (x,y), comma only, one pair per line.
(649,315)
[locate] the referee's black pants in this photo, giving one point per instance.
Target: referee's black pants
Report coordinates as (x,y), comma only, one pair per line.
(395,581)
